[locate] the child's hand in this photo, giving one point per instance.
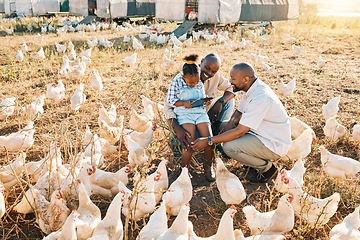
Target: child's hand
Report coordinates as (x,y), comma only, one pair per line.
(207,103)
(187,104)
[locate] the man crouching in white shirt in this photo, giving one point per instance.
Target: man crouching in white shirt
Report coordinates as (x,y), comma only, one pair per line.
(258,130)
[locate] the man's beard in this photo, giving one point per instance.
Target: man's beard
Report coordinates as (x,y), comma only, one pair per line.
(235,88)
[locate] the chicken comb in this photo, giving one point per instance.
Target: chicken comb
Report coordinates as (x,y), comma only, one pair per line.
(233,207)
(60,193)
(75,213)
(78,180)
(187,204)
(93,169)
(2,188)
(285,180)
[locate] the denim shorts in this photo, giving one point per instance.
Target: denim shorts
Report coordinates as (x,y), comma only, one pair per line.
(194,118)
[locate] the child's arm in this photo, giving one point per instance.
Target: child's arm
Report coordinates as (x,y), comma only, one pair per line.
(186,104)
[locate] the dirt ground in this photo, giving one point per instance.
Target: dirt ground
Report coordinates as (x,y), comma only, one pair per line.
(123,86)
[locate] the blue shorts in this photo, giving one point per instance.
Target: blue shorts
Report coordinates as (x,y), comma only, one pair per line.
(194,118)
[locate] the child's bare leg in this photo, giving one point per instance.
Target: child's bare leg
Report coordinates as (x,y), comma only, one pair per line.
(205,131)
(186,155)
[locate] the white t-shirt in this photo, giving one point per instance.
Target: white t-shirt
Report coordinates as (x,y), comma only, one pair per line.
(265,115)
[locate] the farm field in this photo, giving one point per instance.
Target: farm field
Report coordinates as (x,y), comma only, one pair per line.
(336,40)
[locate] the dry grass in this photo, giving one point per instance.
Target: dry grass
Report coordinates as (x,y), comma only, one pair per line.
(123,86)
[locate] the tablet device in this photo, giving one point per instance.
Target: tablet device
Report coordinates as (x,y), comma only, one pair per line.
(200,102)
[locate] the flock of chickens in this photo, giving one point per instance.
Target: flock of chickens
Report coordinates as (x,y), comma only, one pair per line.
(61,187)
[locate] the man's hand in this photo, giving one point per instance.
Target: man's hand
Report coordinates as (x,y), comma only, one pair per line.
(182,134)
(207,103)
(214,111)
(199,144)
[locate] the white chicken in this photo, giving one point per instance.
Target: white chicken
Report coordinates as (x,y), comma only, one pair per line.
(331,108)
(179,193)
(156,106)
(39,55)
(55,91)
(229,185)
(177,49)
(137,154)
(297,172)
(60,48)
(143,202)
(110,180)
(20,140)
(286,89)
(242,44)
(111,226)
(107,148)
(24,47)
(141,122)
(163,183)
(136,44)
(333,129)
(156,225)
(143,138)
(9,30)
(51,215)
(131,60)
(179,228)
(9,172)
(225,230)
(348,229)
(70,45)
(111,133)
(298,49)
(314,210)
(298,127)
(356,132)
(35,108)
(92,43)
(268,68)
(7,107)
(108,116)
(228,44)
(68,230)
(168,62)
(79,71)
(321,62)
(90,215)
(86,53)
(96,81)
(19,56)
(278,221)
(338,166)
(187,42)
(72,54)
(301,146)
(78,98)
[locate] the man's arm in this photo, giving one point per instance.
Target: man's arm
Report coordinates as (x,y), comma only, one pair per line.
(215,110)
(232,134)
(234,120)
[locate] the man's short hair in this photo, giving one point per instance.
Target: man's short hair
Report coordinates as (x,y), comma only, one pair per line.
(245,68)
(213,57)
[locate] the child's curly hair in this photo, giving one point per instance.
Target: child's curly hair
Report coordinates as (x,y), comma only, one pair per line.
(191,67)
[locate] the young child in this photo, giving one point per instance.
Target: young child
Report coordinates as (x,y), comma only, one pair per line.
(184,89)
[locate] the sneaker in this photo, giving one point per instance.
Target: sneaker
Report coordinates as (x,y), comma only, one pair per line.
(265,176)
